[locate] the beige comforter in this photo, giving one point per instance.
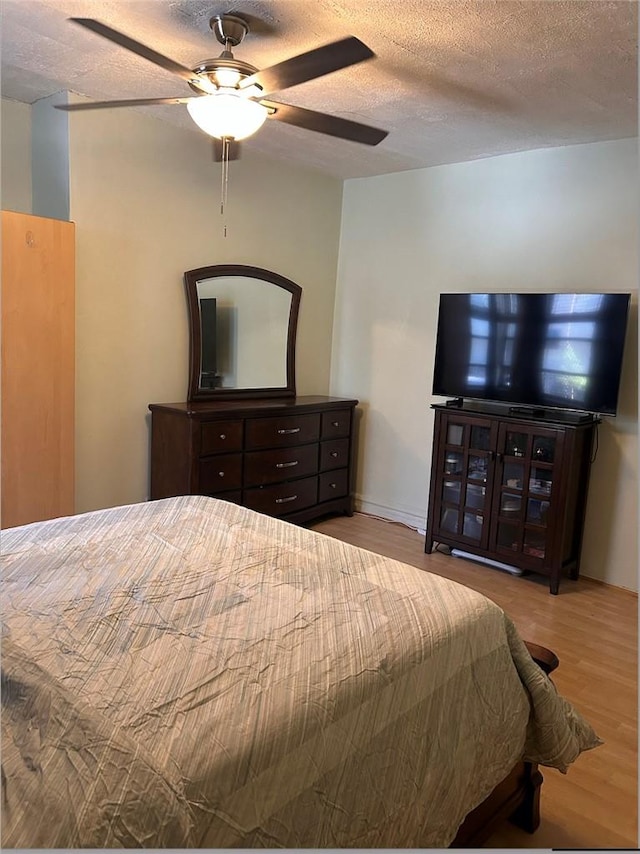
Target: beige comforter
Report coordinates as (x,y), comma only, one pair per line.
(189,673)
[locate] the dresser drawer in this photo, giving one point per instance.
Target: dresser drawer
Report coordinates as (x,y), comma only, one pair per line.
(334,455)
(220,473)
(283,498)
(336,423)
(333,484)
(220,436)
(274,455)
(279,432)
(263,467)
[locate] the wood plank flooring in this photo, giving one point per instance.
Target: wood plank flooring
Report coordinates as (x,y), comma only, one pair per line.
(592,627)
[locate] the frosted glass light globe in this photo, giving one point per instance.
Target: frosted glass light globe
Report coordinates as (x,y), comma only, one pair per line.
(227,114)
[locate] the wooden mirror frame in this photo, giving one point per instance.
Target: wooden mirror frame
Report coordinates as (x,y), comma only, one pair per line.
(191,279)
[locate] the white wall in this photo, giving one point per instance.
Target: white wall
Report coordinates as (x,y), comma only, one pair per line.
(555,219)
(15,172)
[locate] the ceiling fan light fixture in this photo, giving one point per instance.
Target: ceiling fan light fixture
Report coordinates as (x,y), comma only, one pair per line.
(234,109)
(227,114)
(227,77)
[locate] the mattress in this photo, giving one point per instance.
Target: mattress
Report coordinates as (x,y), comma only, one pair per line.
(189,673)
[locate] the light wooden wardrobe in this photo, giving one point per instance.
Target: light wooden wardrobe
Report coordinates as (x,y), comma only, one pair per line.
(38,369)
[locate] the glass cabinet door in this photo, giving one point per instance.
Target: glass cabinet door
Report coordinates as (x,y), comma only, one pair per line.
(465,461)
(523,502)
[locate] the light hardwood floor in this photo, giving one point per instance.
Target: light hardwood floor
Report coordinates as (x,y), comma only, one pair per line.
(593,629)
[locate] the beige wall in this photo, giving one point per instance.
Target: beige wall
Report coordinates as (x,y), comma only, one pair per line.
(556,219)
(145,197)
(15,147)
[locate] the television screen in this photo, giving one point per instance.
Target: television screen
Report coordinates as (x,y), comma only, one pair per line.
(561,350)
(209,343)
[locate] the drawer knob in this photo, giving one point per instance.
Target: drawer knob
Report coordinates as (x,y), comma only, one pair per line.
(287,465)
(335,423)
(283,431)
(223,435)
(286,500)
(332,485)
(220,474)
(334,454)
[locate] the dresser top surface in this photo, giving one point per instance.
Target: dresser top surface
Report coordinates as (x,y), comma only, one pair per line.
(254,406)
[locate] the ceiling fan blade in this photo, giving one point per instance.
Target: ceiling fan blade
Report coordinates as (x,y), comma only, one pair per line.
(135,102)
(307,66)
(140,49)
(234,150)
(323,123)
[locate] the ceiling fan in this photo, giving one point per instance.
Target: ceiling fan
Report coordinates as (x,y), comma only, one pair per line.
(230,100)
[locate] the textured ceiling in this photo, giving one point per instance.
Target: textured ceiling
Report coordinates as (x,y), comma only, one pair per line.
(452,80)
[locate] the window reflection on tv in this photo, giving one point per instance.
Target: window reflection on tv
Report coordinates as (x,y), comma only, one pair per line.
(561,350)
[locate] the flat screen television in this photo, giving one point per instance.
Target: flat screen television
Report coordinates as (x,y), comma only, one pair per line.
(538,350)
(209,343)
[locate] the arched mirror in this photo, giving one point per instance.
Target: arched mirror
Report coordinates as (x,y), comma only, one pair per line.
(242,332)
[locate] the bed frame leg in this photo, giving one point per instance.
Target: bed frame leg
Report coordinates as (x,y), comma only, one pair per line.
(527,815)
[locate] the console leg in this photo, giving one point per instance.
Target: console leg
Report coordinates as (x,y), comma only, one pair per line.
(527,815)
(554,585)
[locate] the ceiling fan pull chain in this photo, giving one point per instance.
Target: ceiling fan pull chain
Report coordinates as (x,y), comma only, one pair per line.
(224,178)
(224,165)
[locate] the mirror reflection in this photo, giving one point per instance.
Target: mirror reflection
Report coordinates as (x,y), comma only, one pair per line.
(242,332)
(243,325)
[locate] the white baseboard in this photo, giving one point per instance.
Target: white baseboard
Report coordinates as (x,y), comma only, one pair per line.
(393,514)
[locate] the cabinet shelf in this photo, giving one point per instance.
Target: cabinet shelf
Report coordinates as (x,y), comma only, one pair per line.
(511,490)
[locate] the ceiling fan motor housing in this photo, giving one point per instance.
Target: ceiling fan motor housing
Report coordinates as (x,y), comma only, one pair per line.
(229,29)
(210,67)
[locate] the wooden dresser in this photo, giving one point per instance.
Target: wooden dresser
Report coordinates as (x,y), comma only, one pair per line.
(288,457)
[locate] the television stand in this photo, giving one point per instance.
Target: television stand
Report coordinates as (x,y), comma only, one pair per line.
(509,490)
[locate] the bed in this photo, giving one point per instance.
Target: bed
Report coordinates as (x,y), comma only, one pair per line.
(188,673)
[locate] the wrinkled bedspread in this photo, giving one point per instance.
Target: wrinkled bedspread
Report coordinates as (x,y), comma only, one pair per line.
(189,673)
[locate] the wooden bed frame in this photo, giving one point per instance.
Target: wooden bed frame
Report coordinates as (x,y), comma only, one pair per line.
(517,797)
